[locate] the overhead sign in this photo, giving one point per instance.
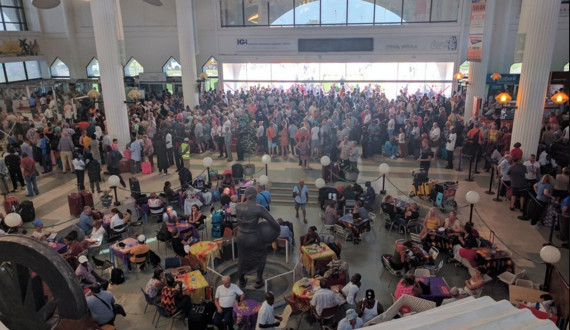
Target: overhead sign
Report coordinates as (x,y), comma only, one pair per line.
(506,79)
(476,26)
(410,43)
(242,45)
(152,76)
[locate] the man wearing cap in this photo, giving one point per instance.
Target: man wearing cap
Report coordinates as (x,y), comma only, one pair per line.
(39,232)
(100,304)
(351,321)
(85,220)
(368,308)
(265,316)
(141,248)
(86,275)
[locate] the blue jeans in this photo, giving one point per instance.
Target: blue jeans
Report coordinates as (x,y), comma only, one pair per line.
(29,182)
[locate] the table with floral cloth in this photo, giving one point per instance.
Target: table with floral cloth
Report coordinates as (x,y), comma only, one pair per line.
(121,252)
(245,313)
(312,253)
(305,291)
(196,289)
(202,251)
(496,262)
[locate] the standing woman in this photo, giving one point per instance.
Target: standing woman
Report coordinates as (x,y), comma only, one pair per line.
(93,168)
(543,190)
(284,139)
(402,143)
(79,167)
(161,153)
(425,156)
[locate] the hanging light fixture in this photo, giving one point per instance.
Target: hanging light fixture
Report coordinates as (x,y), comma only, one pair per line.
(45,4)
(559,98)
(458,76)
(503,98)
(496,76)
(154,2)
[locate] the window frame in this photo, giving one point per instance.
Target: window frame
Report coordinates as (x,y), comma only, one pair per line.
(53,62)
(23,24)
(165,63)
(87,66)
(126,64)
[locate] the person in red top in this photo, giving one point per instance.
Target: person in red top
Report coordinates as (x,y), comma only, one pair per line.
(29,172)
(516,152)
(83,125)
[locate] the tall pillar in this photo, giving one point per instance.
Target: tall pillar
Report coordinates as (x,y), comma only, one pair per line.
(113,87)
(76,68)
(185,23)
(478,70)
(537,58)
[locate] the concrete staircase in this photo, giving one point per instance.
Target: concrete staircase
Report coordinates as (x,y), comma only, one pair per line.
(282,193)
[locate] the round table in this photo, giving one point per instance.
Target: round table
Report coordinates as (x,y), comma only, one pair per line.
(202,251)
(246,313)
(308,293)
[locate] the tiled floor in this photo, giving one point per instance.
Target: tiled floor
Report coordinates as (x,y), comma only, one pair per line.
(517,236)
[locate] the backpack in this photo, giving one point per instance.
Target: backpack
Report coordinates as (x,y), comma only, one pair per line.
(163,234)
(217,220)
(200,183)
(154,259)
(117,276)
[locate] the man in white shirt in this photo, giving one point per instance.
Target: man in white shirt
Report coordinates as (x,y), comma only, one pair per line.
(224,299)
(169,148)
(449,147)
(351,321)
(324,298)
(265,317)
(532,170)
(351,289)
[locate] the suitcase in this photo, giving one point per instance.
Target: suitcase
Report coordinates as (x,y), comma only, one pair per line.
(11,204)
(27,211)
(326,173)
(335,171)
(197,317)
(124,166)
(135,187)
(249,170)
(237,171)
(87,198)
(75,204)
(146,168)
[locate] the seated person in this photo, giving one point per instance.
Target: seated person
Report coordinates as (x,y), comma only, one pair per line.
(98,303)
(39,232)
(330,217)
(351,321)
(474,285)
(359,213)
(154,286)
(169,193)
(409,286)
(388,207)
(117,223)
(170,216)
(227,182)
(196,217)
(546,304)
(369,307)
(286,230)
(74,248)
(369,196)
(140,249)
(86,275)
(452,225)
(311,237)
(347,194)
(155,205)
(467,242)
(431,223)
(178,244)
(172,298)
(358,191)
(232,207)
(410,213)
(350,290)
(97,234)
(225,198)
(324,298)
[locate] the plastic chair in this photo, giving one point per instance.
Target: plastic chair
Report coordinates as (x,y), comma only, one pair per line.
(341,232)
(348,205)
(285,318)
(388,221)
(435,270)
(228,233)
(525,283)
(433,252)
(510,278)
(416,239)
(140,263)
(412,224)
(395,273)
(101,264)
(326,314)
(162,312)
(297,308)
(150,302)
(422,272)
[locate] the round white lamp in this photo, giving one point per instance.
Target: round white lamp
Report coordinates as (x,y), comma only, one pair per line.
(114,181)
(325,161)
(263,180)
(472,198)
(319,183)
(45,4)
(207,162)
(550,255)
(383,169)
(266,159)
(13,220)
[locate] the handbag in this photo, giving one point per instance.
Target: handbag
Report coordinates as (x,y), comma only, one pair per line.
(117,308)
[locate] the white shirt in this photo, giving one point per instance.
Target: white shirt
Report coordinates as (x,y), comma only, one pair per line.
(265,316)
(315,133)
(350,291)
(370,313)
(227,296)
(168,141)
(324,298)
(434,133)
(531,170)
(78,164)
(97,235)
(344,324)
(115,222)
(451,144)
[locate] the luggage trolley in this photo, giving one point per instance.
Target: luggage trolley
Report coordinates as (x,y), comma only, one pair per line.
(443,194)
(421,184)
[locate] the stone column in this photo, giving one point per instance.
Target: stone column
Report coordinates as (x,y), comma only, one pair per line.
(537,58)
(185,23)
(478,70)
(113,87)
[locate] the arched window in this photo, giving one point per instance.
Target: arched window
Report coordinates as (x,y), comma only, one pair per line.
(93,68)
(133,68)
(464,67)
(515,68)
(211,67)
(58,69)
(172,68)
(566,66)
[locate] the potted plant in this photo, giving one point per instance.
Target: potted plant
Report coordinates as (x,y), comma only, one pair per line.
(106,199)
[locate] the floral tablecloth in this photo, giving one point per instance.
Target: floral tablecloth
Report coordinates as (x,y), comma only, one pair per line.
(311,253)
(196,288)
(202,251)
(245,314)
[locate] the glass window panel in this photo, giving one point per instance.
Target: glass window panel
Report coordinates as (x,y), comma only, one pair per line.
(14,3)
(444,10)
(439,71)
(282,70)
(416,11)
(12,15)
(133,68)
(15,71)
(333,71)
(412,71)
(232,12)
(307,71)
(2,77)
(33,69)
(307,12)
(235,71)
(566,66)
(388,11)
(333,11)
(172,68)
(211,67)
(281,12)
(516,68)
(258,71)
(358,71)
(383,71)
(360,12)
(255,13)
(59,69)
(93,69)
(12,27)
(464,68)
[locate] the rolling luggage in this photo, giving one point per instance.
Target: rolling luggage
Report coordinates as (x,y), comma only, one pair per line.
(135,187)
(124,166)
(327,194)
(146,168)
(217,220)
(87,198)
(326,173)
(11,204)
(75,204)
(237,171)
(27,211)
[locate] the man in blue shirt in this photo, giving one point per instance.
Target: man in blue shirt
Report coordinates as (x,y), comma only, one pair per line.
(85,220)
(263,197)
(301,194)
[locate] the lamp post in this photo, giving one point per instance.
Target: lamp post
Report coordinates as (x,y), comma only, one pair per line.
(13,220)
(114,181)
(472,198)
(550,255)
(266,159)
(320,183)
(325,162)
(207,162)
(383,169)
(263,180)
